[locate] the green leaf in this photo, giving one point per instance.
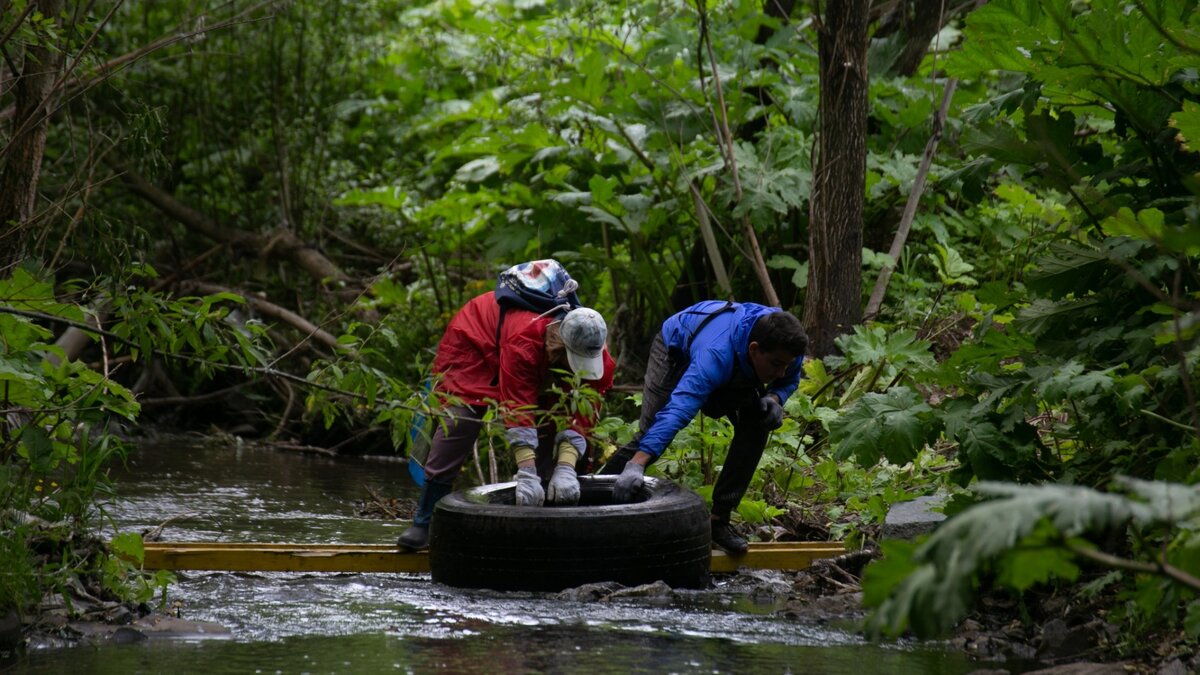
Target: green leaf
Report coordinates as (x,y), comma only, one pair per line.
(387,196)
(1036,560)
(884,575)
(24,291)
(758,512)
(1071,381)
(992,453)
(477,170)
(934,595)
(1187,121)
(893,424)
(874,346)
(951,267)
(38,449)
(129,545)
(787,262)
(1147,224)
(1167,502)
(1191,622)
(1019,25)
(603,190)
(1043,316)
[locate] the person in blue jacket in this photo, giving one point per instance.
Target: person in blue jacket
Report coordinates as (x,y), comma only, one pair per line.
(738,360)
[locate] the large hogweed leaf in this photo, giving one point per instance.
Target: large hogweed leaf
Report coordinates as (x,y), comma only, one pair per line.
(871,346)
(895,425)
(1055,44)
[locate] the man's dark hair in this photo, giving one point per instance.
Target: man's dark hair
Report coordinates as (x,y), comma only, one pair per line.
(780,331)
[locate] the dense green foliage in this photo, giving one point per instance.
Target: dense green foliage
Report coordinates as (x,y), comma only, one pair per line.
(370,166)
(53,465)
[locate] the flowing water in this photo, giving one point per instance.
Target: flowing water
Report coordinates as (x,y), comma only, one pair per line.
(365,623)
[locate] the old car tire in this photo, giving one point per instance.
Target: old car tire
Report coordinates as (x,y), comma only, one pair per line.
(480,539)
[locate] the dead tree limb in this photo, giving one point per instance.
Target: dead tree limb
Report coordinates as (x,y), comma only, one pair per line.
(710,242)
(723,133)
(310,329)
(280,243)
(910,209)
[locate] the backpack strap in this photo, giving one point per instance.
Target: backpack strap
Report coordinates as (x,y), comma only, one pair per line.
(499,325)
(712,315)
(677,356)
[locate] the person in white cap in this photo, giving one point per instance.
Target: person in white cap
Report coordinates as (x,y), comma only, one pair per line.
(484,359)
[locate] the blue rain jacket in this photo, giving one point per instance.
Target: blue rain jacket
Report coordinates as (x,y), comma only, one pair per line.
(718,351)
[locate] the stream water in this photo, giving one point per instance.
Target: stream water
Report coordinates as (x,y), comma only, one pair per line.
(363,623)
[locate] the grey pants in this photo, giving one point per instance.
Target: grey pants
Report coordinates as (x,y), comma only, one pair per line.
(737,401)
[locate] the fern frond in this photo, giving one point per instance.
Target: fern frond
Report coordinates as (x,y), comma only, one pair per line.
(939,588)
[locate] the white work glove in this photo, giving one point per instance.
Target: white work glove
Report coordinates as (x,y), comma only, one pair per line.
(564,486)
(629,482)
(529,488)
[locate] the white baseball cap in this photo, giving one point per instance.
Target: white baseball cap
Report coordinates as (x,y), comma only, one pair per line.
(583,333)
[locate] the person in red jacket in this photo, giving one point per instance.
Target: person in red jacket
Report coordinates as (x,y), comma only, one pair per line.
(516,373)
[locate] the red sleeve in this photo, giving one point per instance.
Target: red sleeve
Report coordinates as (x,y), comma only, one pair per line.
(582,424)
(522,366)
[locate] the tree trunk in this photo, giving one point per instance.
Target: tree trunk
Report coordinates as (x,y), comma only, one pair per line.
(835,232)
(21,158)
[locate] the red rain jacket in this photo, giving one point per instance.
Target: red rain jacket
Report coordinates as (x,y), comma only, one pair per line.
(467,361)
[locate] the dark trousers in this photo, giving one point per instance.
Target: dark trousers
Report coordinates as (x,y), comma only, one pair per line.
(738,401)
(455,434)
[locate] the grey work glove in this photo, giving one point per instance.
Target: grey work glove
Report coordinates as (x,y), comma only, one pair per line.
(529,488)
(772,412)
(564,486)
(629,482)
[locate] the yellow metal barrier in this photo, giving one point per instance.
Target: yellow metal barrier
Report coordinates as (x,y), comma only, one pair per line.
(247,557)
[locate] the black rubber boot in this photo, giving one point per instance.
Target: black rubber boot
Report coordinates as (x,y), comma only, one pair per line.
(416,537)
(727,538)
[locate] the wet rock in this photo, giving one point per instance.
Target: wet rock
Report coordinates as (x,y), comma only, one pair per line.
(970,626)
(992,648)
(658,589)
(154,625)
(826,608)
(908,520)
(770,532)
(161,625)
(1060,641)
(762,584)
(127,636)
(1083,668)
(990,671)
(90,630)
(1175,667)
(119,615)
(590,592)
(10,630)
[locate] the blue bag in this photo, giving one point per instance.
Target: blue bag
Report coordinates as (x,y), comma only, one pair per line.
(419,438)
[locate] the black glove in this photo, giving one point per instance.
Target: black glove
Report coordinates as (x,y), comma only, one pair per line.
(772,412)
